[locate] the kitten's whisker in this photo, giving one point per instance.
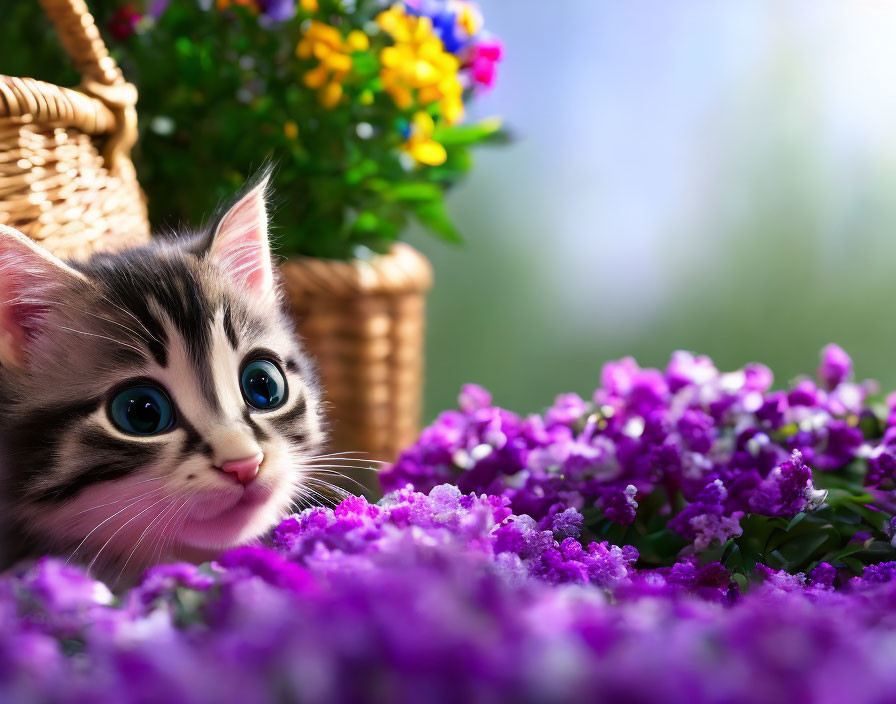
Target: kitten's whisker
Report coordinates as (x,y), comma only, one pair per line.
(349,468)
(157,546)
(327,486)
(349,456)
(338,462)
(98,526)
(315,472)
(166,543)
(349,464)
(314,493)
(161,539)
(121,527)
(103,337)
(134,334)
(298,491)
(118,501)
(127,312)
(330,486)
(142,535)
(320,480)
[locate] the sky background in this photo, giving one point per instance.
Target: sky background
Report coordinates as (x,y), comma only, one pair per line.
(705,175)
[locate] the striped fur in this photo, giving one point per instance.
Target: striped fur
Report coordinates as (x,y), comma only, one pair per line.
(185,313)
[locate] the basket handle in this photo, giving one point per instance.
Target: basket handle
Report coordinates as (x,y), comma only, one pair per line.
(82,41)
(100,75)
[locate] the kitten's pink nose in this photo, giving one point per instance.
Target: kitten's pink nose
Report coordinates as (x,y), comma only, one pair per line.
(245,469)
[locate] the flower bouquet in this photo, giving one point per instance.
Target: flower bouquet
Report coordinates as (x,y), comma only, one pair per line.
(360,104)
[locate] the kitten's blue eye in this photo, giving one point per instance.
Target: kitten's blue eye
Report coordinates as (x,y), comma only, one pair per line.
(264,386)
(141,410)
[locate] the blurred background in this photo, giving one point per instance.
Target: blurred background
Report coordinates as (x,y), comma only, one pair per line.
(702,175)
(699,175)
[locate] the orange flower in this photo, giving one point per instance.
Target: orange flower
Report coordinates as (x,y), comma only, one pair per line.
(251,4)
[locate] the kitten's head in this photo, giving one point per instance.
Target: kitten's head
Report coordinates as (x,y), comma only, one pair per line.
(155,402)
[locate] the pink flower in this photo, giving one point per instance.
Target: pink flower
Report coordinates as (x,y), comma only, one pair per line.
(123,23)
(484,61)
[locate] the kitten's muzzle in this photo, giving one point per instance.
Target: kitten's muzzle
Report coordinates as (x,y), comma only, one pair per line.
(244,470)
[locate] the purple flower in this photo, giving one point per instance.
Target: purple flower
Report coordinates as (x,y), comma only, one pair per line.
(473,398)
(685,369)
(758,377)
(805,393)
(704,521)
(446,592)
(835,367)
(567,524)
(881,466)
(510,578)
(157,8)
(278,10)
(567,409)
(697,430)
(621,506)
(787,490)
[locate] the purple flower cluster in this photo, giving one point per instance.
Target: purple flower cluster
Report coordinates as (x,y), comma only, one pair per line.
(663,542)
(718,446)
(442,598)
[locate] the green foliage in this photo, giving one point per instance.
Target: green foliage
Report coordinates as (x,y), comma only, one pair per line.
(222,92)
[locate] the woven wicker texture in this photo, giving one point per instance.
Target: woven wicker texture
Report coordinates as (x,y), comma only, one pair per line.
(66,178)
(364,323)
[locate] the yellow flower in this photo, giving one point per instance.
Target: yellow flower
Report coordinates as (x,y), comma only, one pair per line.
(417,65)
(333,53)
(310,5)
(469,18)
(420,143)
(291,130)
(357,41)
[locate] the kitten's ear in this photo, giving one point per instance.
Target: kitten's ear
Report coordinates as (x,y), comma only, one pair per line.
(32,281)
(240,246)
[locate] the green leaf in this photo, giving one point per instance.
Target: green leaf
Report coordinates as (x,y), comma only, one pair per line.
(716,552)
(433,216)
(853,564)
(843,552)
(416,192)
(366,222)
(354,176)
(799,551)
(466,135)
(660,547)
(795,521)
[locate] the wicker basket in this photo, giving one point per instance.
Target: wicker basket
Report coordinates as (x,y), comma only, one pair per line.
(364,323)
(66,177)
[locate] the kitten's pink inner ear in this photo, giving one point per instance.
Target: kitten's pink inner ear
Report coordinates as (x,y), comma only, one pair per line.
(240,245)
(31,280)
(12,337)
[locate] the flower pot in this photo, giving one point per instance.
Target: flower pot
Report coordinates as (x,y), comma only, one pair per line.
(363,321)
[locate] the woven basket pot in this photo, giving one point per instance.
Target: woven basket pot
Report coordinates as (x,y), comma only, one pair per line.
(364,323)
(66,177)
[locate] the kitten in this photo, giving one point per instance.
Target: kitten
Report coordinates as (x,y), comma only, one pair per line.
(156,404)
